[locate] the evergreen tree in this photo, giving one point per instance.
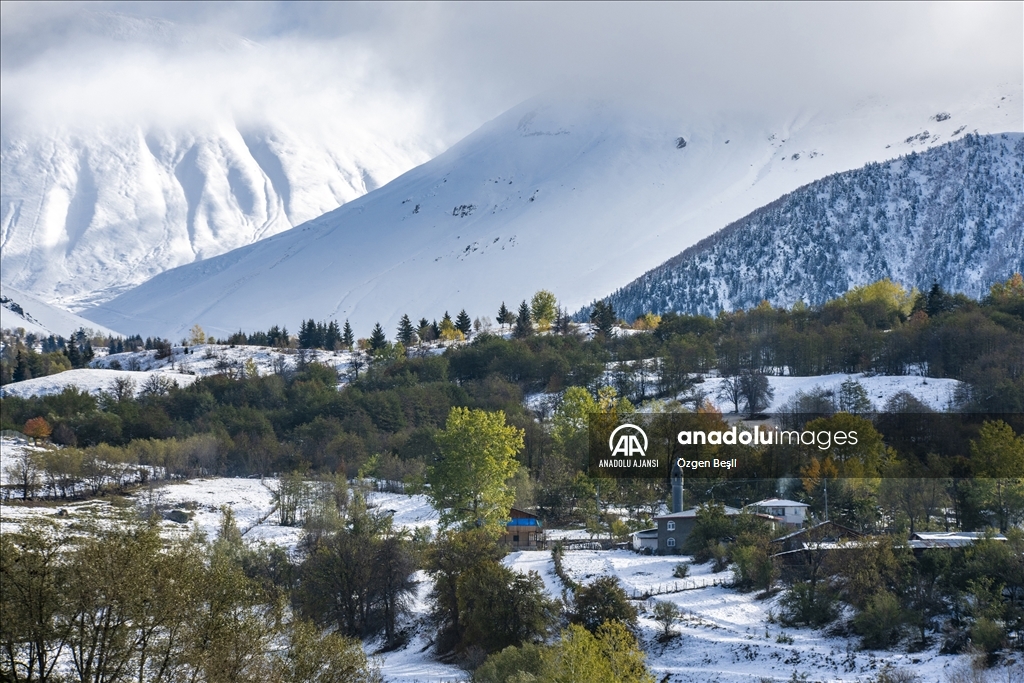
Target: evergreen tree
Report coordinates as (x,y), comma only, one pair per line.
(562,321)
(347,337)
(406,334)
(75,357)
(505,316)
(21,371)
(603,317)
(463,324)
(307,329)
(435,329)
(377,339)
(524,327)
(332,337)
(425,331)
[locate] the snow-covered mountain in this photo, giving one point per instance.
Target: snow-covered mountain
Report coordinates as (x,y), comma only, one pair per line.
(953,214)
(89,215)
(19,309)
(578,197)
(100,192)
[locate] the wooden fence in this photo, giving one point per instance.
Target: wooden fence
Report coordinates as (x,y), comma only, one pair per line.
(679,587)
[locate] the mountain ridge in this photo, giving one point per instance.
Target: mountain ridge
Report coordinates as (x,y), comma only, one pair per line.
(706,277)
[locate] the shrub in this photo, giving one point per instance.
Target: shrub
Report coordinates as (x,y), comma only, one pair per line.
(666,613)
(879,624)
(603,600)
(681,570)
(809,604)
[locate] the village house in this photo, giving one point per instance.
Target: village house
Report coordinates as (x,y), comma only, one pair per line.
(523,531)
(790,512)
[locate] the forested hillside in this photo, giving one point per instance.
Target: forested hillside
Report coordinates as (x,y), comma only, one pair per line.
(952,215)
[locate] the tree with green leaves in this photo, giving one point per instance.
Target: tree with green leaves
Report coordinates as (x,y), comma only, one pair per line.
(612,655)
(543,309)
(470,483)
(998,455)
(524,325)
(463,324)
(378,340)
(499,607)
(601,601)
(406,334)
(448,332)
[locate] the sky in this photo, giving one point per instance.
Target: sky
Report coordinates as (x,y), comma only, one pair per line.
(443,69)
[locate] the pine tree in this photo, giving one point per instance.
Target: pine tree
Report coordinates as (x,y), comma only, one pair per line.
(562,321)
(21,371)
(406,334)
(377,338)
(347,337)
(603,317)
(505,316)
(524,328)
(306,329)
(75,357)
(332,337)
(425,331)
(462,323)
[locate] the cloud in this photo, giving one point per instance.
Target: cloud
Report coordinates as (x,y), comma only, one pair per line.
(444,68)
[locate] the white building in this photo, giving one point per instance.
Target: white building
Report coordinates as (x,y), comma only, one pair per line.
(791,512)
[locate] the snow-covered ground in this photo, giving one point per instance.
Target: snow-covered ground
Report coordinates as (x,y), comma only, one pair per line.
(90,380)
(723,635)
(937,393)
(727,636)
(934,392)
(180,367)
(35,316)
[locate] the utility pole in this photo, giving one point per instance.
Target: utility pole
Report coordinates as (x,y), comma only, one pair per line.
(826,499)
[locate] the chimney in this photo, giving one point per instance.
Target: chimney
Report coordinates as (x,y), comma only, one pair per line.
(677,489)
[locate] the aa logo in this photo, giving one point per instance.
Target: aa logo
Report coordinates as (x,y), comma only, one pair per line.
(628,442)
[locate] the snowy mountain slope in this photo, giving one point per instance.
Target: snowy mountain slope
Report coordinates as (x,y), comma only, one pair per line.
(578,197)
(86,216)
(952,215)
(18,309)
(102,187)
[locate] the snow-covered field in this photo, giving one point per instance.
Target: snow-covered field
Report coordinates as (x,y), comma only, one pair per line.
(937,393)
(90,380)
(180,367)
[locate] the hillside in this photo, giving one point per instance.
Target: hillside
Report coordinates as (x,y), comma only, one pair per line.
(952,214)
(18,309)
(574,196)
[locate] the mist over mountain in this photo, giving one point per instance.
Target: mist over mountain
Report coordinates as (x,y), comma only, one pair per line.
(571,194)
(132,145)
(953,214)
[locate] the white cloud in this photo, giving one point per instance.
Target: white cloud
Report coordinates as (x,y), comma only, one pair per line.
(444,68)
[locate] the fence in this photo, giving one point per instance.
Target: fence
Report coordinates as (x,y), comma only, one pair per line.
(679,587)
